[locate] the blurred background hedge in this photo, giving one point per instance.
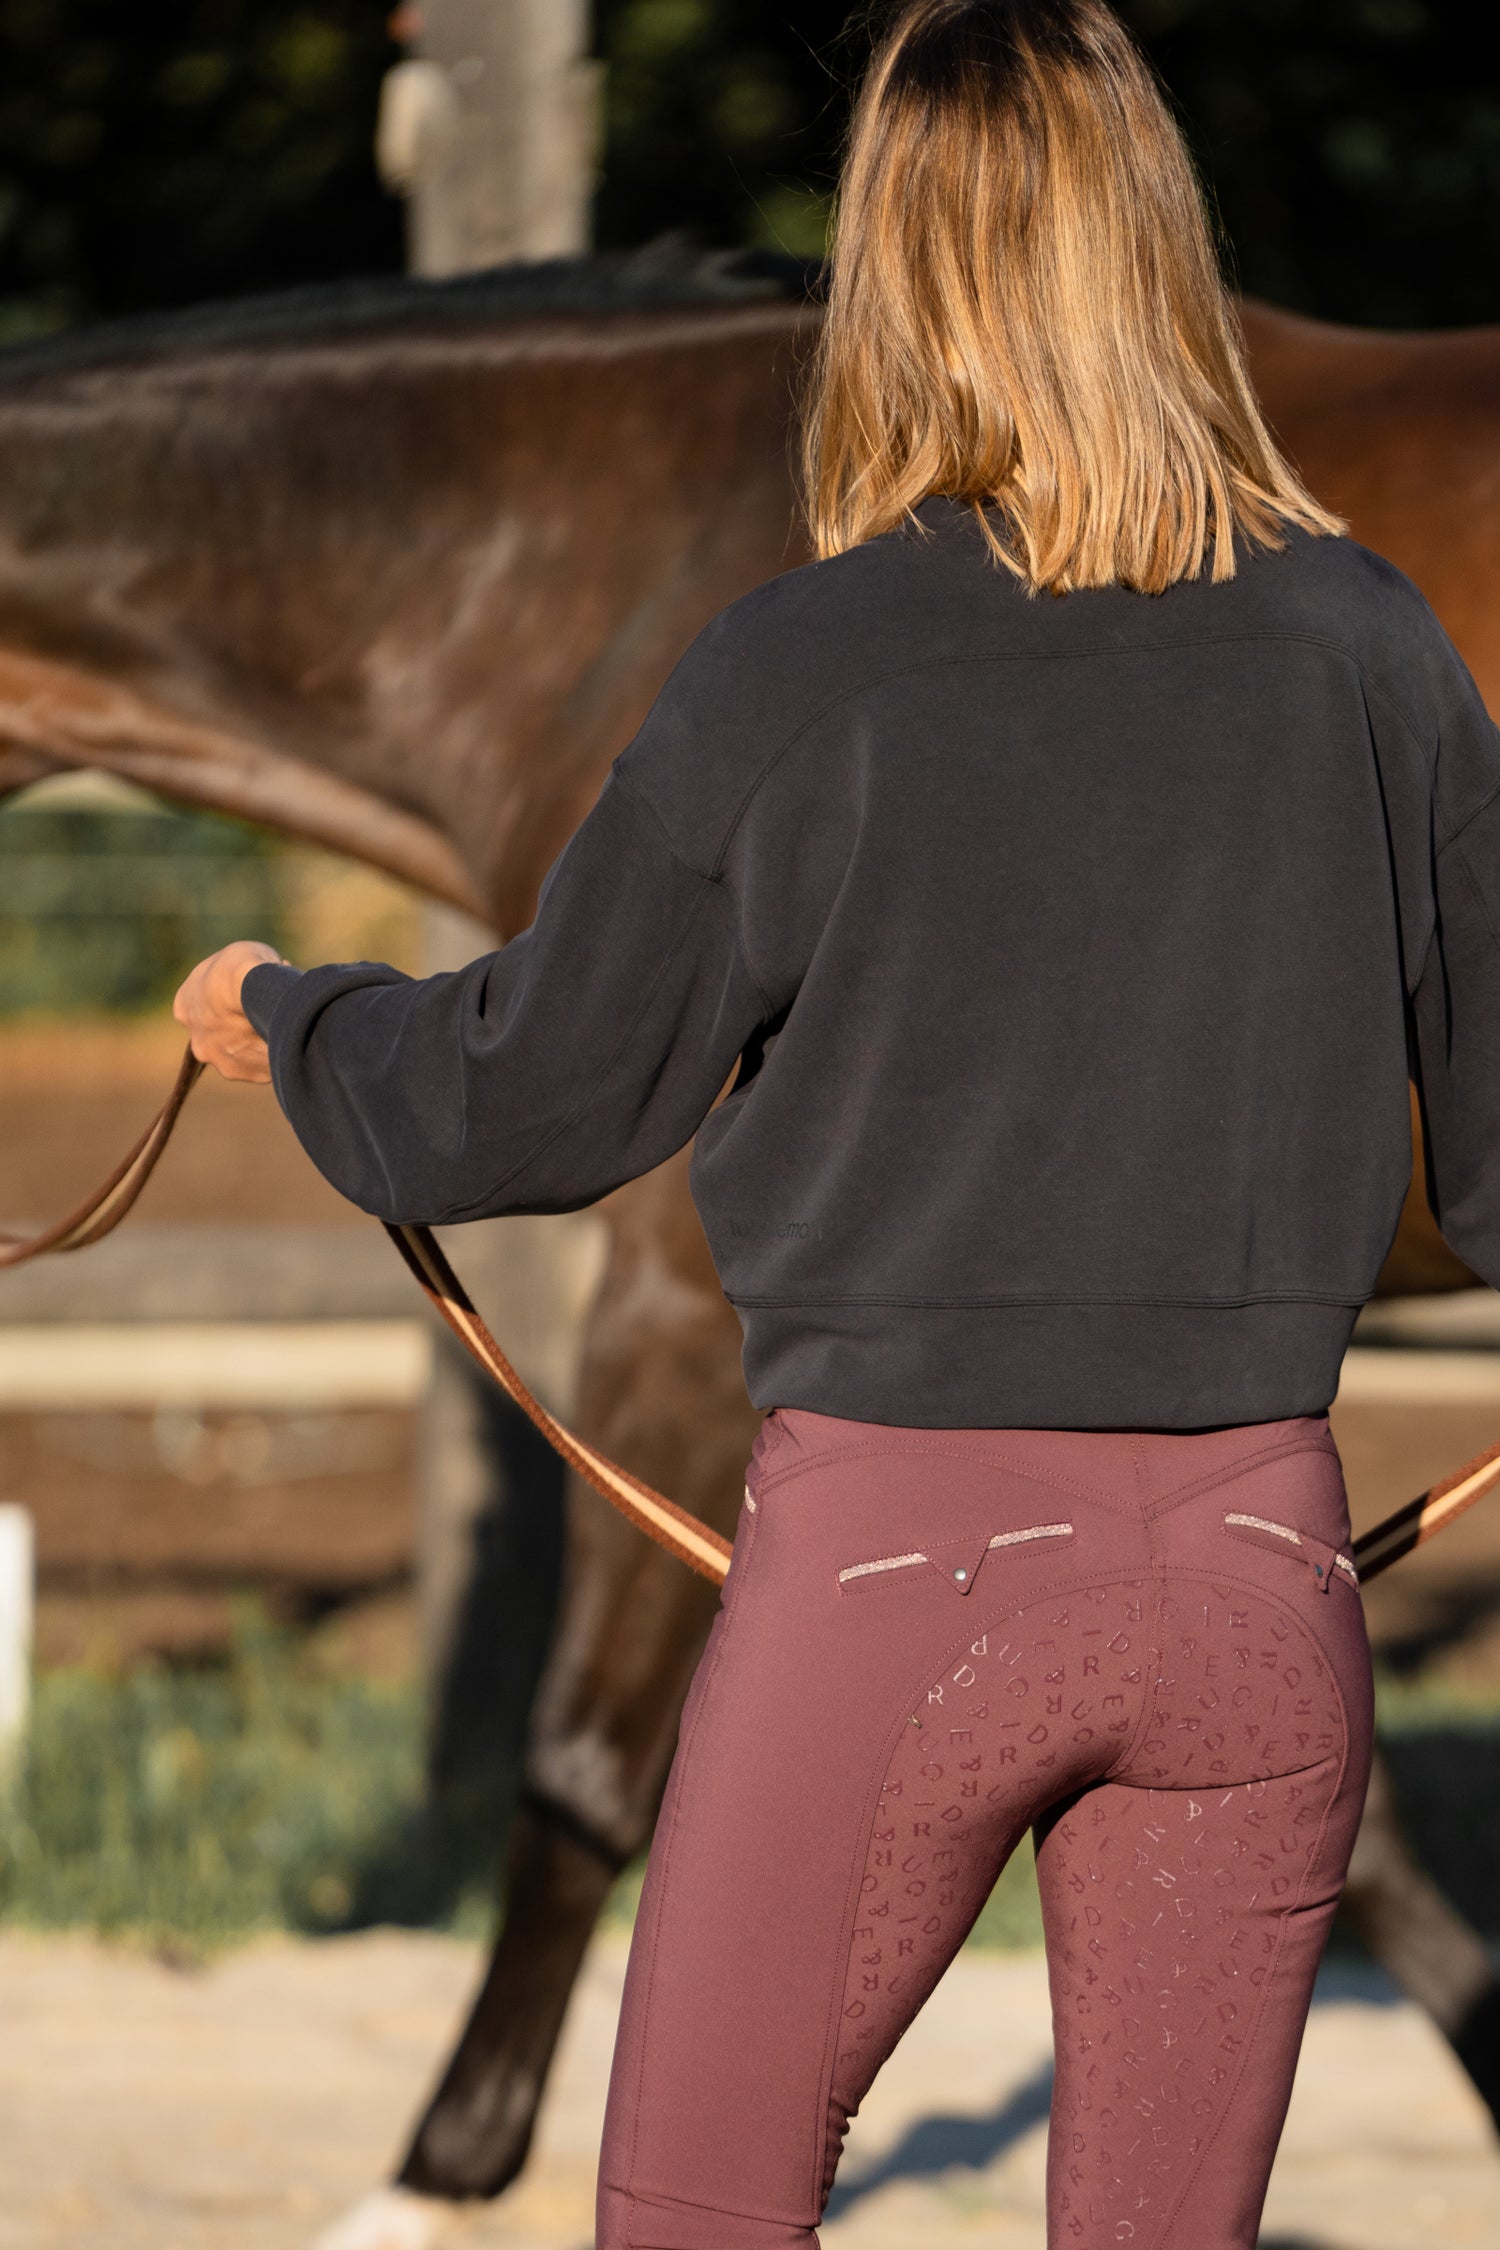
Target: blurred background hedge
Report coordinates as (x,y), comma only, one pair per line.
(100,909)
(210,147)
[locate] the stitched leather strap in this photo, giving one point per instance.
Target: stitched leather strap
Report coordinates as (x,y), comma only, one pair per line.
(1423,1518)
(108,1205)
(694,1543)
(702,1549)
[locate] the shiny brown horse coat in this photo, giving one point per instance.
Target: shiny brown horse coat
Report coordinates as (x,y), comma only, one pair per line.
(400,572)
(404,584)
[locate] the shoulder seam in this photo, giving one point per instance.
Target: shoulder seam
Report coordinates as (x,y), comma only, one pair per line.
(1428,757)
(718,880)
(1479,899)
(1468,820)
(632,789)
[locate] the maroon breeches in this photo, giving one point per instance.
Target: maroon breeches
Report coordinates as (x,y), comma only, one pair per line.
(1151,1649)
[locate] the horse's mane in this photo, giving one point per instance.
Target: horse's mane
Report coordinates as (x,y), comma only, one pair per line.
(661,277)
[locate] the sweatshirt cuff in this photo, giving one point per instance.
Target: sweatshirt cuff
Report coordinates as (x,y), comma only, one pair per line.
(264,989)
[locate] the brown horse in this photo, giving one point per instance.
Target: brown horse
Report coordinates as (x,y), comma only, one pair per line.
(400,570)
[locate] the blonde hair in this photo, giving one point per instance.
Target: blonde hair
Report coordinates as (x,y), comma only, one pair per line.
(1026,312)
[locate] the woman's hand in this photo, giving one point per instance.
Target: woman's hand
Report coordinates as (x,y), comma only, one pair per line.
(208,1008)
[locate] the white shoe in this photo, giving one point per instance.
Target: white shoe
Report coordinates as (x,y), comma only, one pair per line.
(392,2219)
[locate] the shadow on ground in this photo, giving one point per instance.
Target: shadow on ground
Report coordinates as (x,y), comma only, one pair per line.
(936,2144)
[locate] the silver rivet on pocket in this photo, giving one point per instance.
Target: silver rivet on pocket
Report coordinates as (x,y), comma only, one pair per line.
(962,1576)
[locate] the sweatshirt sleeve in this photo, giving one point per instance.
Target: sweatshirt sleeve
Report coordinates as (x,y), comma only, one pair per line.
(1456,1004)
(582,1054)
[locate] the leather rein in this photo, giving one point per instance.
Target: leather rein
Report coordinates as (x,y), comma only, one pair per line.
(703,1550)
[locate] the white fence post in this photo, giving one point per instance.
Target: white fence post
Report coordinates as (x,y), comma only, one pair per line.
(492,132)
(17,1576)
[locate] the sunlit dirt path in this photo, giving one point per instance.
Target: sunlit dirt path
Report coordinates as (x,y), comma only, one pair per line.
(241,2108)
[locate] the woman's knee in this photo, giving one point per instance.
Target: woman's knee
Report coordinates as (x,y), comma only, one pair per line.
(637,2222)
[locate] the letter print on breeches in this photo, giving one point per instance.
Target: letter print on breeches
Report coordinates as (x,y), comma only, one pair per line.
(1197,1739)
(931,1642)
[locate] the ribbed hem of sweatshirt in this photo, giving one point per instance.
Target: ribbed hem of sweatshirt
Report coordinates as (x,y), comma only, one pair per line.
(1064,1367)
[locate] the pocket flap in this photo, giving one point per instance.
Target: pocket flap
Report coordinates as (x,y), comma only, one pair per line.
(1326,1563)
(958,1561)
(955,1560)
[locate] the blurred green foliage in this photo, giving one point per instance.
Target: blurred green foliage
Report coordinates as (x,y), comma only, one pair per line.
(190,1809)
(1011,1918)
(209,147)
(150,156)
(194,1808)
(724,118)
(1352,147)
(197,1807)
(105,910)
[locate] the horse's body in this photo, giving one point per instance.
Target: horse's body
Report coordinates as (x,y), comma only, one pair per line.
(1401,434)
(402,584)
(401,573)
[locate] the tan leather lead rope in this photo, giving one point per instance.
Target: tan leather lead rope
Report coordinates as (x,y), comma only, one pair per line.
(1423,1518)
(702,1549)
(650,1511)
(694,1543)
(104,1210)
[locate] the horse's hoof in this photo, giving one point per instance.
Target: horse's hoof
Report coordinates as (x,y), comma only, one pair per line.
(392,2219)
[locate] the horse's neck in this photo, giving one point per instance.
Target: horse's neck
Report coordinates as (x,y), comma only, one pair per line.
(406,596)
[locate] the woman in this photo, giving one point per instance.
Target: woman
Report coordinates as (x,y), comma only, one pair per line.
(1072,862)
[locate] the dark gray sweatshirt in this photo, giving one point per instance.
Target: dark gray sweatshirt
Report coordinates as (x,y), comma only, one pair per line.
(1071,956)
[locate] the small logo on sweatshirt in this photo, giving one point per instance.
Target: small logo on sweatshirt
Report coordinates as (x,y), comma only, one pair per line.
(776,1230)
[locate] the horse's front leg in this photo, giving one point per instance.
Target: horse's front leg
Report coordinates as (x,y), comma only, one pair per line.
(661,1391)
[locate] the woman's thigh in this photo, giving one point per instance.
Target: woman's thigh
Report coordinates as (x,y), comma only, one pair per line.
(1188,1898)
(869,1733)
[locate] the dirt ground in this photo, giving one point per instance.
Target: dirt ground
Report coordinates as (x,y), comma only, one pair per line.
(244,2107)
